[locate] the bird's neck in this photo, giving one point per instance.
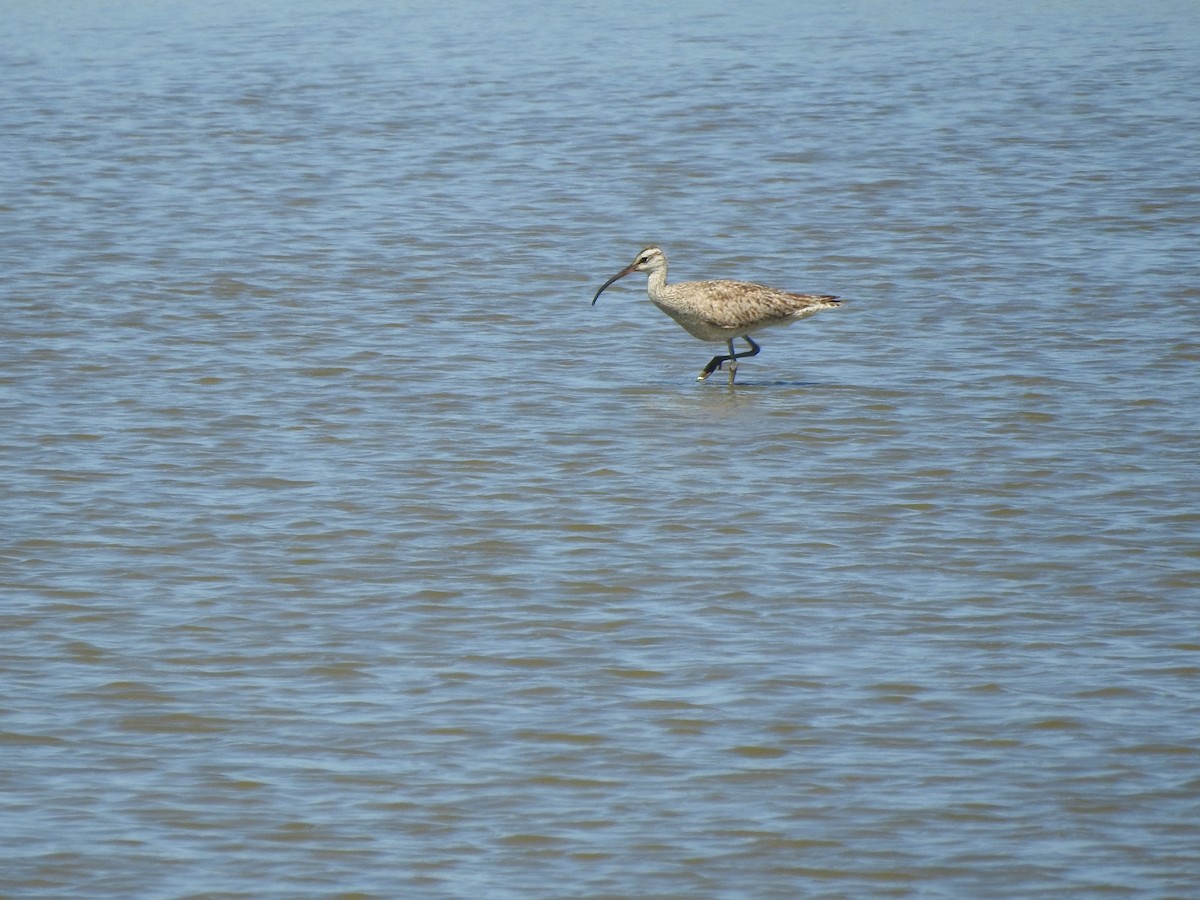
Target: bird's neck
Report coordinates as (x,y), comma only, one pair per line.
(657,281)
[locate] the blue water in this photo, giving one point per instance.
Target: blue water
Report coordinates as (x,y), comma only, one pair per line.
(349,550)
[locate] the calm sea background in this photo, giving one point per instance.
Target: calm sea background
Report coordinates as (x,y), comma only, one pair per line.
(347,550)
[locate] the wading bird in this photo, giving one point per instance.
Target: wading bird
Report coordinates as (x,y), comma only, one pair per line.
(720,310)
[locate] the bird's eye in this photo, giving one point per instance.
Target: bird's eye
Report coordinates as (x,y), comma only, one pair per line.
(643,259)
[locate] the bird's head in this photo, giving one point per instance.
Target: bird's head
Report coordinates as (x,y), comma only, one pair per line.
(649,260)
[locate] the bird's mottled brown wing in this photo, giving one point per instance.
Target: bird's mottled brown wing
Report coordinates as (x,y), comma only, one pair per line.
(732,304)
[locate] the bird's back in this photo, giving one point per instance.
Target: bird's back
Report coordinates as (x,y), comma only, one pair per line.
(723,308)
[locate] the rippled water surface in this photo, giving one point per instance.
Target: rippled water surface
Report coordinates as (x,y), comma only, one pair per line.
(347,549)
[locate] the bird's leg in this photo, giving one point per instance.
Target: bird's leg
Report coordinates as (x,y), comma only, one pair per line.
(713,365)
(753,351)
(734,357)
(717,361)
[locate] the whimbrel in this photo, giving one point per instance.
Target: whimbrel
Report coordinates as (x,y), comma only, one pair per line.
(720,310)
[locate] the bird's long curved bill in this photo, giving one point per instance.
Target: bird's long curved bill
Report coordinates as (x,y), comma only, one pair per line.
(616,277)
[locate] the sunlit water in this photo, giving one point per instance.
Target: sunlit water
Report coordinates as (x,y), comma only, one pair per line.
(346,548)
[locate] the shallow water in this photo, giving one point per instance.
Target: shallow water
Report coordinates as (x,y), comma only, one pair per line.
(348,549)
